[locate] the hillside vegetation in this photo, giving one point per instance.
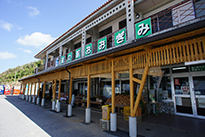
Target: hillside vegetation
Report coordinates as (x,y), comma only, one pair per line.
(11,76)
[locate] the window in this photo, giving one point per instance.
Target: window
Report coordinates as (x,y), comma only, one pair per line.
(199,6)
(88,40)
(49,59)
(122,24)
(66,51)
(105,32)
(78,45)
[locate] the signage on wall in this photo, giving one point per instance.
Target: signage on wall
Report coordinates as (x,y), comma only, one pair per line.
(78,53)
(198,68)
(88,49)
(176,81)
(62,61)
(120,37)
(69,57)
(143,28)
(102,44)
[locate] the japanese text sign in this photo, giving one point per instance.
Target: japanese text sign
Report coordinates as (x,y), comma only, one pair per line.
(143,28)
(120,37)
(102,44)
(88,49)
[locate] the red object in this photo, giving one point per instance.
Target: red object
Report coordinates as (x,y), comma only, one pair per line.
(176,81)
(7,90)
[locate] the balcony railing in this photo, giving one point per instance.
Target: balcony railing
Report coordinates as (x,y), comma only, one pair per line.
(178,14)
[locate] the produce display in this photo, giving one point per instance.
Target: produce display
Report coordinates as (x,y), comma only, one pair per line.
(120,100)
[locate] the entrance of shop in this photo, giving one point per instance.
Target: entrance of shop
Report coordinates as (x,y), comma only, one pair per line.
(189,94)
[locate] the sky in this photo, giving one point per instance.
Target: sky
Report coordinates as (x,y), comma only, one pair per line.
(28,26)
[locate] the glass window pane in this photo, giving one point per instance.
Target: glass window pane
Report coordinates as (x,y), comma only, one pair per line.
(181,86)
(199,85)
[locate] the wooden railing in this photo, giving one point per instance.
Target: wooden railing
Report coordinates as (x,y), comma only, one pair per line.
(180,52)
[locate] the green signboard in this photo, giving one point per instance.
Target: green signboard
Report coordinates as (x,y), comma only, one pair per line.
(120,37)
(62,61)
(143,28)
(78,53)
(69,57)
(198,68)
(102,44)
(88,49)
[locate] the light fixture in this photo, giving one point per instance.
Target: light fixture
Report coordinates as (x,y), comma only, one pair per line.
(178,68)
(137,16)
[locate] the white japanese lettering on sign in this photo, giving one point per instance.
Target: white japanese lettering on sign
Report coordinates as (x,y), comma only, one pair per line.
(102,45)
(120,37)
(69,58)
(143,29)
(78,54)
(88,50)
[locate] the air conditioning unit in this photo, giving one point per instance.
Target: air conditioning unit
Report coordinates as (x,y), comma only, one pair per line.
(105,124)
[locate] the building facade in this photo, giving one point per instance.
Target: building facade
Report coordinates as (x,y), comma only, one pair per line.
(152,50)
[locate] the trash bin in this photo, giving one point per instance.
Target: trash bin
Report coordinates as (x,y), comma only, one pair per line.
(106,112)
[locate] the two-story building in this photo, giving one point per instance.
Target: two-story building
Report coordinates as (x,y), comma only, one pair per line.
(153,50)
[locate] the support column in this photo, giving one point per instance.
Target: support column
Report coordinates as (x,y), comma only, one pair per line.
(70,97)
(88,111)
(34,94)
(46,61)
(20,91)
(113,116)
(43,94)
(54,94)
(59,96)
(83,43)
(30,94)
(130,16)
(38,93)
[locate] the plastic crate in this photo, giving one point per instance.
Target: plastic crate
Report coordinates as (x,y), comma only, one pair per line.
(106,112)
(127,109)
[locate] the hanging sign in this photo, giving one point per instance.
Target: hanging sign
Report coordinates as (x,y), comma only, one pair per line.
(69,57)
(102,44)
(62,61)
(88,49)
(120,37)
(198,68)
(78,53)
(143,28)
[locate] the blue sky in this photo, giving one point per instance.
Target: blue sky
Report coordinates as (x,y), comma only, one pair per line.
(27,26)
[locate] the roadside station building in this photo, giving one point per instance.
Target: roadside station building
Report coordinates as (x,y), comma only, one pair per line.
(152,50)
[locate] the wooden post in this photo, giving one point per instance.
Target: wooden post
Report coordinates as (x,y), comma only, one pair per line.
(28,88)
(38,89)
(144,77)
(21,88)
(70,91)
(54,90)
(34,89)
(31,88)
(113,88)
(131,86)
(44,89)
(59,90)
(88,89)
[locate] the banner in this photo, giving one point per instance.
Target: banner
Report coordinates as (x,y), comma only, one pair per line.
(78,53)
(102,44)
(69,57)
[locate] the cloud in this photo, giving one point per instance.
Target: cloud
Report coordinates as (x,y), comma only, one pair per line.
(8,26)
(5,25)
(6,55)
(25,50)
(36,39)
(33,11)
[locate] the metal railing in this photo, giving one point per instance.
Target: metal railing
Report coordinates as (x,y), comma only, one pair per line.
(178,14)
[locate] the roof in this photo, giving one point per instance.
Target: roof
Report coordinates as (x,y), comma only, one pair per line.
(106,3)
